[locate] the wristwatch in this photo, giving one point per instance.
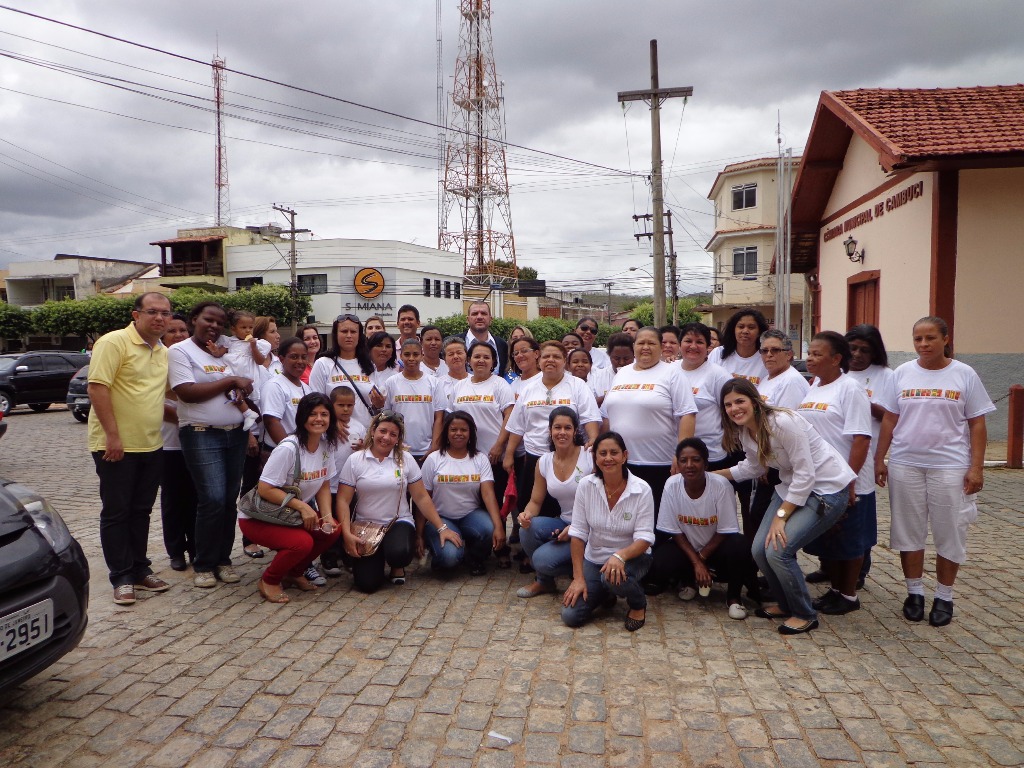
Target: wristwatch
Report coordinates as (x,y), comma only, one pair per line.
(781,514)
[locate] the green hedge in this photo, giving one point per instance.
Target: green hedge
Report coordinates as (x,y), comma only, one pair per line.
(543,328)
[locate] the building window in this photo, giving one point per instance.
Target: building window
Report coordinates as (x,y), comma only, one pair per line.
(744,261)
(312,284)
(426,286)
(447,289)
(458,290)
(437,289)
(744,196)
(247,282)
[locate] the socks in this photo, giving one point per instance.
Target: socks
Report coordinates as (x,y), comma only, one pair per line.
(915,586)
(249,420)
(851,598)
(942,592)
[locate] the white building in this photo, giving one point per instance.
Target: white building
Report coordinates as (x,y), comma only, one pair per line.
(362,277)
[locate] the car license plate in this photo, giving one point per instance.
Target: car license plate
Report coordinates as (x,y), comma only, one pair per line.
(23,629)
(81,401)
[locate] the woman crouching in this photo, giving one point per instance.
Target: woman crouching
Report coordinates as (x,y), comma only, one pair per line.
(611,534)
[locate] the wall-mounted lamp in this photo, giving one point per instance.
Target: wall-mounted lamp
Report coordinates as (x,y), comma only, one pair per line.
(851,250)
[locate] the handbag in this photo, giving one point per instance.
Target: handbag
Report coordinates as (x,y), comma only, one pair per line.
(372,410)
(370,534)
(255,506)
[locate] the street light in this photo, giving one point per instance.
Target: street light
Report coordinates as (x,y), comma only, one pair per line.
(641,269)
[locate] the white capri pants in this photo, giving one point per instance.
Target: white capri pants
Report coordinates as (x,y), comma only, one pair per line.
(917,496)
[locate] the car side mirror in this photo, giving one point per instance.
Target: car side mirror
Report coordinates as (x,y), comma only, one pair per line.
(21,369)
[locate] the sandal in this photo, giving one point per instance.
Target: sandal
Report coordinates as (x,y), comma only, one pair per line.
(397,578)
(632,625)
(255,553)
(300,583)
(270,597)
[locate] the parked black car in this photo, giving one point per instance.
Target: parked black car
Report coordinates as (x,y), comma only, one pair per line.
(78,395)
(37,379)
(44,585)
(801,365)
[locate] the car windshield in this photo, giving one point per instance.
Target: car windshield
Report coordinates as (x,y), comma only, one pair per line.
(7,363)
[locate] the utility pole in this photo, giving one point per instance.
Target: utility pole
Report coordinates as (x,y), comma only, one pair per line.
(672,271)
(292,261)
(608,310)
(654,97)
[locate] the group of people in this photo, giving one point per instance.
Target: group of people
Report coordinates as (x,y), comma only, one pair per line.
(665,459)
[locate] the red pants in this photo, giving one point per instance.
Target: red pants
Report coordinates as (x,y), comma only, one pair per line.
(296,547)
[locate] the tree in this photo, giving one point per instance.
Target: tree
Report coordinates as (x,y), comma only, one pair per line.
(270,300)
(643,312)
(15,322)
(90,317)
(527,273)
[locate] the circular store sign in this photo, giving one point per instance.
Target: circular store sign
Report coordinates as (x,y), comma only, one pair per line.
(369,283)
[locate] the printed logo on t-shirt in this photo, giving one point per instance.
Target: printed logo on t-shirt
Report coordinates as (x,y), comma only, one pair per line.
(214,368)
(812,407)
(701,521)
(924,394)
(458,478)
(361,377)
(549,401)
(316,474)
(413,399)
(696,391)
(752,379)
(295,400)
(475,399)
(633,387)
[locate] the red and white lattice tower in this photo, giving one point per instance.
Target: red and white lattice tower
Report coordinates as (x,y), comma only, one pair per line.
(475,174)
(223,202)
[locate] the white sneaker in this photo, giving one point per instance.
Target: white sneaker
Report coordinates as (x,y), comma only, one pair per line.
(687,593)
(737,611)
(249,420)
(313,576)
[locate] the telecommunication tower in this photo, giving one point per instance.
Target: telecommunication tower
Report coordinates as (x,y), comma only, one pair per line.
(223,202)
(475,177)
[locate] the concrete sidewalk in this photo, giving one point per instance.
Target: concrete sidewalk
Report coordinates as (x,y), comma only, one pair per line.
(421,674)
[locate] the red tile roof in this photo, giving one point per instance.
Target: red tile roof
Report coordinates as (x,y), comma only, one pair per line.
(917,124)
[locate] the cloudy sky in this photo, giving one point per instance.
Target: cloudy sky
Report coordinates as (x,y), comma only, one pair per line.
(106,146)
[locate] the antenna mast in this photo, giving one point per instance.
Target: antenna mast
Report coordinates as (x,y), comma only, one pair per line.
(223,201)
(475,176)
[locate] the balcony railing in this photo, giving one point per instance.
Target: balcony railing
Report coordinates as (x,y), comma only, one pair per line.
(214,267)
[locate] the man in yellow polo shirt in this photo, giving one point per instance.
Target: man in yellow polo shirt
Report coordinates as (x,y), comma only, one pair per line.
(127,381)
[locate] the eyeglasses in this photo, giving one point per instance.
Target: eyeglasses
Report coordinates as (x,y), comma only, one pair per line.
(773,350)
(587,329)
(165,314)
(390,416)
(353,318)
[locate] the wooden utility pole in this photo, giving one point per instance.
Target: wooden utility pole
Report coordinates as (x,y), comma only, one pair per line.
(653,98)
(292,261)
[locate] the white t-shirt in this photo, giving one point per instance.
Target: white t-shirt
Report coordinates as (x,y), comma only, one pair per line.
(486,402)
(839,411)
(281,400)
(645,406)
(328,374)
(565,492)
(600,358)
(454,484)
(169,431)
(318,468)
(380,485)
(517,387)
(600,381)
(188,364)
(437,373)
(806,463)
(379,377)
(875,379)
(530,415)
(344,448)
(786,390)
(746,367)
(706,385)
(449,385)
(934,407)
(417,401)
(240,356)
(698,519)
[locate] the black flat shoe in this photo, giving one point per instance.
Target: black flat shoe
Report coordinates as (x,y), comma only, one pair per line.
(632,625)
(827,599)
(785,629)
(178,564)
(767,615)
(941,613)
(255,554)
(816,577)
(913,608)
(840,606)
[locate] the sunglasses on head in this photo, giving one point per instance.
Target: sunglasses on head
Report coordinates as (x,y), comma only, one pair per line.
(390,416)
(342,318)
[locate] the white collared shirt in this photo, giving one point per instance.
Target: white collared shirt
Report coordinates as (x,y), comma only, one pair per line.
(605,530)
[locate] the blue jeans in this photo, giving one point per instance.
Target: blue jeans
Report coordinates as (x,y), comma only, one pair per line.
(476,530)
(214,458)
(550,558)
(779,566)
(598,588)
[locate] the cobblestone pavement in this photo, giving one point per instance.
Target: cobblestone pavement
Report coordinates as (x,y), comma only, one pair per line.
(420,674)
